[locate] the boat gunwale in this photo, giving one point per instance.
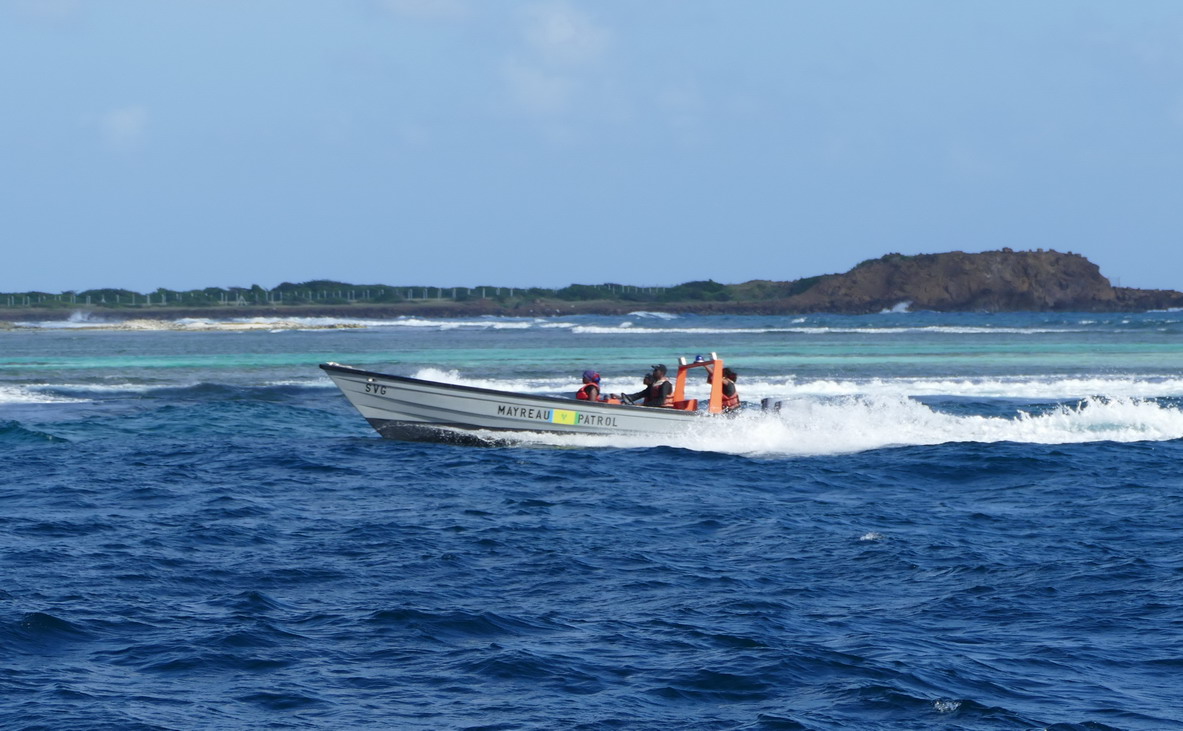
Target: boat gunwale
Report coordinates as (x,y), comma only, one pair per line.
(569,402)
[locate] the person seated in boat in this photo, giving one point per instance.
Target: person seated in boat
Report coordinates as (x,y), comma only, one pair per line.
(658,390)
(590,390)
(730,393)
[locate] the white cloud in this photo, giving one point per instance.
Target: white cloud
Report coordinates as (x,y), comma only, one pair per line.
(562,34)
(124,127)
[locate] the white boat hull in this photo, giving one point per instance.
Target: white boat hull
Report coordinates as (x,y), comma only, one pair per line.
(399,407)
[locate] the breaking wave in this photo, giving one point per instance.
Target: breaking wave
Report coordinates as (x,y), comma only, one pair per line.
(630,329)
(200,324)
(10,394)
(640,322)
(84,321)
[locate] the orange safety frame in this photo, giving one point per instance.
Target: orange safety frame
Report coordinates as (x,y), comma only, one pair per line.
(713,366)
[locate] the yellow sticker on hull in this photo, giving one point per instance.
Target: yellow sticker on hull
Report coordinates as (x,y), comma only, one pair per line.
(562,416)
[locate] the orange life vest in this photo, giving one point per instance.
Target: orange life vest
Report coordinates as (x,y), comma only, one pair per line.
(668,401)
(584,392)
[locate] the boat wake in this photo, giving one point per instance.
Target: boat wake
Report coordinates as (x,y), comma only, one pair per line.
(811,427)
(756,388)
(1058,388)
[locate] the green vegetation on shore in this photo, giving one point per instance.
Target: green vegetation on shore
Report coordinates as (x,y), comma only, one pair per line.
(326,292)
(992,281)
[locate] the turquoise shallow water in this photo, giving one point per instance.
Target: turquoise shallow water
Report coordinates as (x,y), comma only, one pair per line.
(955,521)
(920,343)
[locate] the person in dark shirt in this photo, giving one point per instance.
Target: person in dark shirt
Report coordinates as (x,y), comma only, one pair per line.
(658,390)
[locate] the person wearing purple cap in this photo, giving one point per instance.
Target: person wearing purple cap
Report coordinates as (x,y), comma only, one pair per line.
(590,390)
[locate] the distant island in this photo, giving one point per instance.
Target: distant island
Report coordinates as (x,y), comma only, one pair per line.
(992,281)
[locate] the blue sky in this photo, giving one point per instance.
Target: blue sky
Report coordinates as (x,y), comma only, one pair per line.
(196,143)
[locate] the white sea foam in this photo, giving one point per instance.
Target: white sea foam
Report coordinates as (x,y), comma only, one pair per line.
(652,323)
(303,383)
(10,394)
(113,387)
(1053,388)
(282,323)
(628,328)
(76,321)
(523,385)
(631,329)
(483,323)
(191,324)
(755,388)
(834,416)
(807,428)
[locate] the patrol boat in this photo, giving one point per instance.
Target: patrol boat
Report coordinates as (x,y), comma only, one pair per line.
(414,409)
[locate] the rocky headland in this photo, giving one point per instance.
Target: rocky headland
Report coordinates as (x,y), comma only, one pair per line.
(992,281)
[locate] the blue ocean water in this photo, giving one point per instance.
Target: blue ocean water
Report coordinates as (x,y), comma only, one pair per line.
(954,521)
